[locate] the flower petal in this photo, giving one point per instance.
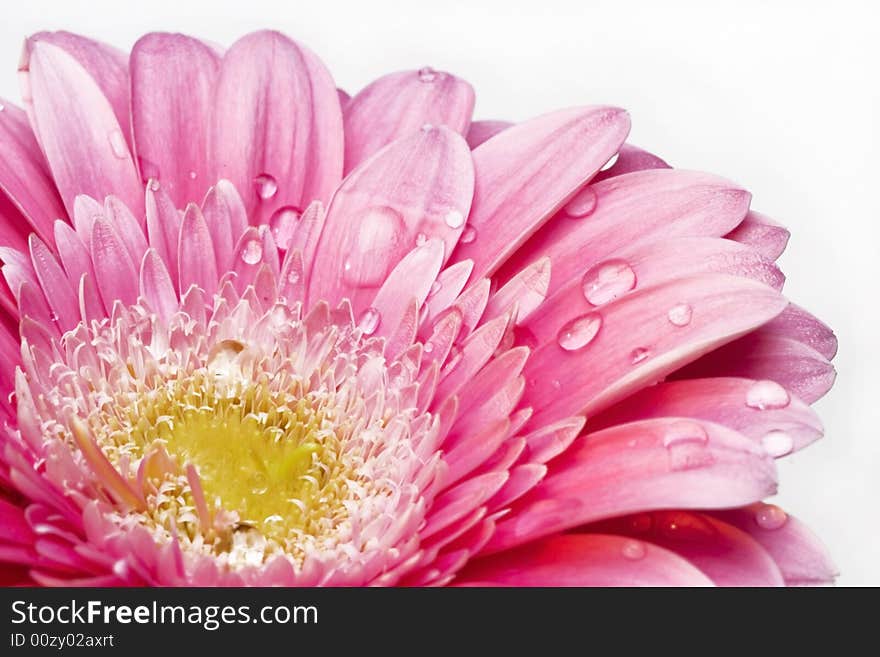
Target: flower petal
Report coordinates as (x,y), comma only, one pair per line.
(196,261)
(400,104)
(631,158)
(172,95)
(480,131)
(762,234)
(277,129)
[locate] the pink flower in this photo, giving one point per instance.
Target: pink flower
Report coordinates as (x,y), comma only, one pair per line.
(256,332)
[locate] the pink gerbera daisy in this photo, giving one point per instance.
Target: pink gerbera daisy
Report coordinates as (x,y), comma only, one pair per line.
(260,333)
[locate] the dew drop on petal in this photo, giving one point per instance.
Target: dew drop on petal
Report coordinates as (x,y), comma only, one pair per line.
(607,281)
(638,355)
(633,550)
(777,443)
(252,252)
(582,204)
(265,185)
(427,74)
(680,314)
(117,144)
(294,275)
(427,127)
(454,219)
(369,321)
(685,442)
(379,234)
(767,395)
(579,332)
(684,431)
(429,347)
(610,163)
(770,516)
(193,175)
(421,238)
(154,185)
(282,224)
(468,235)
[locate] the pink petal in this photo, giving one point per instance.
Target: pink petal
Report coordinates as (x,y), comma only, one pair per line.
(526,292)
(172,96)
(400,104)
(196,261)
(60,294)
(797,367)
(415,188)
(720,400)
(77,263)
(156,286)
(450,282)
(631,158)
(584,560)
(796,323)
(637,342)
(460,500)
(525,173)
(762,234)
(644,206)
(798,553)
(480,131)
(163,226)
(24,175)
(78,131)
(647,465)
(227,219)
(729,556)
(277,131)
(115,273)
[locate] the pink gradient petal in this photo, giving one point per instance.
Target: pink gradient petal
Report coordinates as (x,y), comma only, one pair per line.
(226,217)
(172,97)
(24,175)
(398,105)
(196,260)
(115,272)
(525,173)
(78,131)
(796,323)
(60,294)
(762,234)
(277,115)
(631,158)
(611,365)
(77,263)
(719,400)
(163,226)
(480,131)
(407,190)
(640,466)
(156,285)
(584,560)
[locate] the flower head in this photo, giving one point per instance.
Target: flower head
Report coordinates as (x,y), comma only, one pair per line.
(257,332)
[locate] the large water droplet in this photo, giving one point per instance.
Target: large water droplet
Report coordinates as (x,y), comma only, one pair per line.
(117,144)
(427,74)
(777,443)
(265,185)
(370,321)
(223,359)
(282,223)
(770,516)
(610,163)
(379,233)
(638,355)
(680,314)
(685,442)
(633,550)
(252,252)
(579,332)
(468,235)
(767,395)
(582,204)
(607,281)
(454,219)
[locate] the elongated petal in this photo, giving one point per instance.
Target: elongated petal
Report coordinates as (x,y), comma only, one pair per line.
(480,131)
(117,277)
(79,133)
(796,323)
(631,158)
(647,465)
(584,560)
(762,234)
(156,286)
(416,188)
(277,129)
(525,173)
(60,294)
(172,95)
(400,104)
(196,262)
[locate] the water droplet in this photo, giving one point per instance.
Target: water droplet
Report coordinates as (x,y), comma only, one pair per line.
(429,347)
(421,238)
(680,314)
(582,204)
(685,442)
(427,127)
(293,276)
(369,321)
(638,355)
(154,185)
(436,286)
(193,175)
(607,281)
(282,224)
(767,395)
(777,443)
(118,145)
(684,431)
(427,74)
(379,234)
(633,550)
(579,332)
(259,484)
(266,186)
(610,163)
(252,252)
(556,383)
(468,235)
(454,219)
(770,516)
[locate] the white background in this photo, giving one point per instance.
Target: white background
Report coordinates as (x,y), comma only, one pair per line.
(782,98)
